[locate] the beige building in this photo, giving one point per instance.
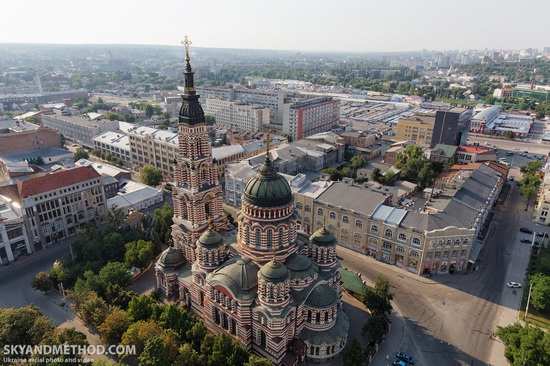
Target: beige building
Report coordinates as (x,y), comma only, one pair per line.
(540,215)
(417,128)
(237,114)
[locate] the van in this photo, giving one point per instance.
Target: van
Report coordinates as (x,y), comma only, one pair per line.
(502,159)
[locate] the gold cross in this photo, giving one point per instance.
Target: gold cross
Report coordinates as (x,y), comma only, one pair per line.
(210,224)
(267,141)
(186,43)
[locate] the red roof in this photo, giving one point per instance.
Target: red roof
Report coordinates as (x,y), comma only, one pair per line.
(56,180)
(473,149)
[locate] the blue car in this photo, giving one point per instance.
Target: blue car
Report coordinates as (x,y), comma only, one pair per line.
(525,240)
(405,357)
(398,362)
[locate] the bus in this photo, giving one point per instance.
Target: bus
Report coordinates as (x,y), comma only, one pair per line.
(503,162)
(509,153)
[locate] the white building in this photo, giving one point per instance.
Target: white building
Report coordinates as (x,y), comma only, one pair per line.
(79,129)
(308,117)
(237,114)
(136,196)
(115,143)
(13,237)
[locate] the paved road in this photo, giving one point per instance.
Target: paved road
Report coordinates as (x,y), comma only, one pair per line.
(447,319)
(533,146)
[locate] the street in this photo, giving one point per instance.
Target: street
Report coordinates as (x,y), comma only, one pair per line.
(448,319)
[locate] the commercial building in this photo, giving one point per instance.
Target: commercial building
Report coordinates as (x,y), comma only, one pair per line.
(492,122)
(13,236)
(311,116)
(57,204)
(134,196)
(542,207)
(539,93)
(79,129)
(473,154)
(417,129)
(17,136)
(115,143)
(237,114)
(451,127)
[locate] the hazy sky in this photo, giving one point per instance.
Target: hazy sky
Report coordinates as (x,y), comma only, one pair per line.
(337,25)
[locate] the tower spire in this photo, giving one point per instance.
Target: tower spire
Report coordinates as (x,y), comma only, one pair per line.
(189,87)
(267,142)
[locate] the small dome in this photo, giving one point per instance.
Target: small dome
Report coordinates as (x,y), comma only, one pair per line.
(267,188)
(239,275)
(301,267)
(322,297)
(171,257)
(210,238)
(274,271)
(323,237)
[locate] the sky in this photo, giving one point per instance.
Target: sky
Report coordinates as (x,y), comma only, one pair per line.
(301,25)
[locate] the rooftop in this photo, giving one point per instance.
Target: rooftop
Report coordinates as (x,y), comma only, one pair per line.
(55,180)
(352,197)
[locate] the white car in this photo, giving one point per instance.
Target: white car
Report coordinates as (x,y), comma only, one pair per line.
(513,285)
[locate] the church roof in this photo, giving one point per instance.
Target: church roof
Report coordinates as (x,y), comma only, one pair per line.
(323,296)
(267,188)
(274,271)
(239,276)
(171,258)
(338,332)
(300,266)
(323,237)
(210,239)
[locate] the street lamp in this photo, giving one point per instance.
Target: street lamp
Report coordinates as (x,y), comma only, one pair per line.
(528,301)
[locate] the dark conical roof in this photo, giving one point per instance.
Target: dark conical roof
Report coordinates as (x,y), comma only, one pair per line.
(274,271)
(323,237)
(322,296)
(191,111)
(210,239)
(267,188)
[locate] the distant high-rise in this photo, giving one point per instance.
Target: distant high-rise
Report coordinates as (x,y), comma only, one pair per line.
(451,127)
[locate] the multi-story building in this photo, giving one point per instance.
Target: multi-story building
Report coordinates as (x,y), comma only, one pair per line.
(13,236)
(79,129)
(277,297)
(115,143)
(239,115)
(542,207)
(417,128)
(537,92)
(480,120)
(473,154)
(311,116)
(491,121)
(451,127)
(358,138)
(18,136)
(441,152)
(274,100)
(57,204)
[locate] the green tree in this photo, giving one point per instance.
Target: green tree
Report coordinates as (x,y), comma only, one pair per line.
(63,336)
(115,273)
(93,310)
(80,153)
(376,175)
(254,360)
(42,282)
(509,134)
(196,334)
(139,333)
(115,295)
(375,330)
(533,167)
(141,307)
(150,175)
(353,354)
(115,216)
(528,189)
(378,299)
(540,294)
(335,174)
(187,356)
(23,325)
(524,345)
(139,253)
(222,350)
(154,353)
(161,230)
(114,326)
(176,318)
(357,162)
(112,246)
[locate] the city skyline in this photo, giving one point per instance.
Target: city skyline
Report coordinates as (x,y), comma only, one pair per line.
(298,26)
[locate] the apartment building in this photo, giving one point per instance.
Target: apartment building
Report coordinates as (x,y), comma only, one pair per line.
(311,116)
(55,205)
(239,115)
(274,100)
(542,207)
(451,127)
(417,128)
(115,143)
(80,129)
(358,138)
(13,236)
(18,136)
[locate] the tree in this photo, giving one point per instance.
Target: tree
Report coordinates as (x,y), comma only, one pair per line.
(115,273)
(139,333)
(154,353)
(176,318)
(115,295)
(63,336)
(378,299)
(114,326)
(93,310)
(528,190)
(376,175)
(532,167)
(196,334)
(139,253)
(80,153)
(141,307)
(150,175)
(509,134)
(23,325)
(161,231)
(187,356)
(115,216)
(112,246)
(524,345)
(353,354)
(357,162)
(222,350)
(375,330)
(254,360)
(335,174)
(42,282)
(540,294)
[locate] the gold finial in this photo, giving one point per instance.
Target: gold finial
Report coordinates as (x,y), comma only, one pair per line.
(274,259)
(210,223)
(325,223)
(267,142)
(186,43)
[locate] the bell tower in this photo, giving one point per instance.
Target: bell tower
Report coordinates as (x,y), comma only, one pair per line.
(197,192)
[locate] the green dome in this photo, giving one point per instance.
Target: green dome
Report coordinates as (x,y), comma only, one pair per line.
(170,258)
(323,237)
(210,238)
(238,275)
(322,297)
(274,271)
(267,188)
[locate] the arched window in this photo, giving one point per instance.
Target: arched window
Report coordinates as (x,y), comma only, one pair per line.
(402,237)
(399,249)
(298,206)
(358,223)
(309,316)
(345,219)
(269,238)
(319,223)
(466,241)
(457,242)
(357,236)
(247,234)
(449,242)
(414,254)
(326,316)
(332,216)
(331,228)
(386,245)
(374,229)
(388,233)
(344,232)
(320,211)
(258,237)
(416,241)
(280,237)
(307,208)
(233,327)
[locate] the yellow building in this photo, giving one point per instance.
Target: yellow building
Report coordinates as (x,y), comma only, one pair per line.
(540,215)
(417,128)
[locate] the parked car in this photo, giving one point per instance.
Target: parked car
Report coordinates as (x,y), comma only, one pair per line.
(398,362)
(525,240)
(513,285)
(541,235)
(526,230)
(405,357)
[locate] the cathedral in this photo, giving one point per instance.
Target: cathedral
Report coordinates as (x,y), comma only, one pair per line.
(275,290)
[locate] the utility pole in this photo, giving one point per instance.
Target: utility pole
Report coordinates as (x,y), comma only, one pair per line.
(528,301)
